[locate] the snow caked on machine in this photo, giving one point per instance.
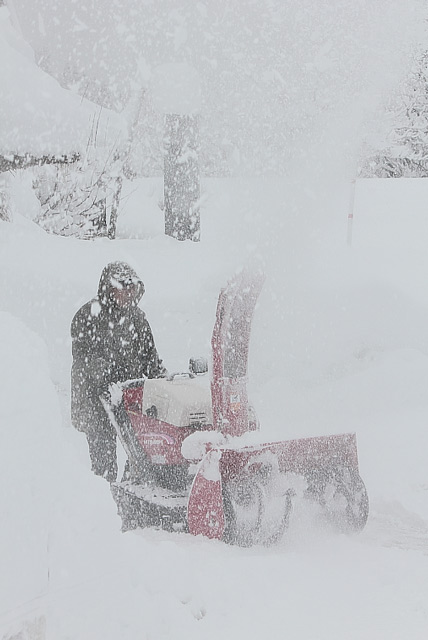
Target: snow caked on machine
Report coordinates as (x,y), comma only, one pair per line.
(196,461)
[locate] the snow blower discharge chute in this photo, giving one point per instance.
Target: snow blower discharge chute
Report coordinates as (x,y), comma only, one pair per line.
(195,461)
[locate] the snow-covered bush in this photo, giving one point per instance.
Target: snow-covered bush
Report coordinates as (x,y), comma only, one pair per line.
(80,199)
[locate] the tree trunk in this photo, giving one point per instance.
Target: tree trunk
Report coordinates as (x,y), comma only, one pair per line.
(181,178)
(4,198)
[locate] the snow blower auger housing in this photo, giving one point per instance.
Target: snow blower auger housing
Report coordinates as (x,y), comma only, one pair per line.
(195,461)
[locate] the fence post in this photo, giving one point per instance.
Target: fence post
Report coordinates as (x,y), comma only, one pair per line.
(351,212)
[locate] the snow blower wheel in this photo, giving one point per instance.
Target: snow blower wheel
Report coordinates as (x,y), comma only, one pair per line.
(243,510)
(254,512)
(279,524)
(345,501)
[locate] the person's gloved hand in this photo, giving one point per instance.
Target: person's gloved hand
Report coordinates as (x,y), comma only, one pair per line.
(112,394)
(116,393)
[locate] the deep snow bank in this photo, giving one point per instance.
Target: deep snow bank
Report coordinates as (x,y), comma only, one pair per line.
(29,463)
(51,525)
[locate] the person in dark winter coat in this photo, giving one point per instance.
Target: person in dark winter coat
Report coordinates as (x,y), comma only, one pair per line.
(112,342)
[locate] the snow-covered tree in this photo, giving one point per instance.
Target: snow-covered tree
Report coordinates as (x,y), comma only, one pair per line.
(44,126)
(402,151)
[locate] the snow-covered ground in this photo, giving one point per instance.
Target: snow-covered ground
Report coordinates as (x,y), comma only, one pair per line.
(339,343)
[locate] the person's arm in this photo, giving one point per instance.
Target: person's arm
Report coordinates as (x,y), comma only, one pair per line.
(86,350)
(152,364)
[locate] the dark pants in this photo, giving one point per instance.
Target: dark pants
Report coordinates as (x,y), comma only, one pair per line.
(88,415)
(102,450)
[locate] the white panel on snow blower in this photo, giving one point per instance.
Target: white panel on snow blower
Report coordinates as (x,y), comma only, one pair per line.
(182,402)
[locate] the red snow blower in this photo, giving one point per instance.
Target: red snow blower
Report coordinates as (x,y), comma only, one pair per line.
(195,459)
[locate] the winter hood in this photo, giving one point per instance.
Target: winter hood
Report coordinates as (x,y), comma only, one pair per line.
(117,275)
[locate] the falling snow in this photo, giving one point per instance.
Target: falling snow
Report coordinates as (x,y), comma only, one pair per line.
(339,342)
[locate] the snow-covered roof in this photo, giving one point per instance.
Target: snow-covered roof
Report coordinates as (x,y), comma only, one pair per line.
(37,115)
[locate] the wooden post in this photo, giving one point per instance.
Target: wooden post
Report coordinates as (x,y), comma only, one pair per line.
(4,198)
(351,212)
(115,209)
